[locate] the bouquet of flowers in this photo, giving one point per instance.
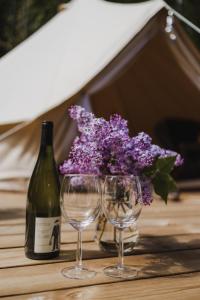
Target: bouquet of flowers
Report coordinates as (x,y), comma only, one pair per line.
(105,147)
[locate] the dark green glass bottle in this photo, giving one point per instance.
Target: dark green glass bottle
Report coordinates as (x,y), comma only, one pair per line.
(43,214)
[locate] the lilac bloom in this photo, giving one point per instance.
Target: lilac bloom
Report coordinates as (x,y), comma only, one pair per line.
(105,147)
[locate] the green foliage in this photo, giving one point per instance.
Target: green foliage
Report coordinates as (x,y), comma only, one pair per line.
(20,18)
(190,9)
(165,165)
(159,173)
(163,184)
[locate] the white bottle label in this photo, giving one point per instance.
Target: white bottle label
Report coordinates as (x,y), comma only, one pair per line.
(47,235)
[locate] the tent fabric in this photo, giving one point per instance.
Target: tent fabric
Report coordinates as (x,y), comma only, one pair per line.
(154,86)
(64,55)
(52,69)
(132,71)
(187,55)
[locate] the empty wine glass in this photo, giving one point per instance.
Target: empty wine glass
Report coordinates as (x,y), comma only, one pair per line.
(80,204)
(122,204)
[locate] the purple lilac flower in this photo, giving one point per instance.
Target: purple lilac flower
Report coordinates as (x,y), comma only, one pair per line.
(142,141)
(146,187)
(105,147)
(117,124)
(139,149)
(160,152)
(83,118)
(167,153)
(84,158)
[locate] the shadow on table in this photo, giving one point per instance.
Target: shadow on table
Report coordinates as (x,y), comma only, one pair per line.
(163,255)
(172,255)
(148,244)
(70,255)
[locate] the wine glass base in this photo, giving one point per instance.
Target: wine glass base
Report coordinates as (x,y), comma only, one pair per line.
(127,272)
(78,273)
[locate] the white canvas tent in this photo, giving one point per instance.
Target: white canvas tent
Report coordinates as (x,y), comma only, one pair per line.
(76,55)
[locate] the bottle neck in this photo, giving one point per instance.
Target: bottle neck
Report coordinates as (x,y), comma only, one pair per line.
(46,144)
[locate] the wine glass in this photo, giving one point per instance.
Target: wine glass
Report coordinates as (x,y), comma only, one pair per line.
(80,205)
(122,204)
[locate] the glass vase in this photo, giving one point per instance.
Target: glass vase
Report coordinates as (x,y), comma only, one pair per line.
(107,236)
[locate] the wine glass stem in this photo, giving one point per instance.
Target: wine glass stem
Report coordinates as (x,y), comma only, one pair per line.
(79,251)
(121,250)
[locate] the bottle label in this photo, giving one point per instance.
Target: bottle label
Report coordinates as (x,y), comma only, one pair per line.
(47,235)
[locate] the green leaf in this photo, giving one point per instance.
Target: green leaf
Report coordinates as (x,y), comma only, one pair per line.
(165,164)
(163,184)
(160,187)
(171,184)
(150,171)
(162,165)
(159,173)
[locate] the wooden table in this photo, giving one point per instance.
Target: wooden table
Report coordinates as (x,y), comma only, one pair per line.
(168,255)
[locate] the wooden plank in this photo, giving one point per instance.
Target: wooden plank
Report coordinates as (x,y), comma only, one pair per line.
(159,214)
(12,222)
(151,228)
(155,221)
(17,210)
(12,209)
(163,214)
(169,230)
(10,200)
(15,256)
(17,240)
(20,229)
(142,222)
(12,229)
(17,281)
(181,287)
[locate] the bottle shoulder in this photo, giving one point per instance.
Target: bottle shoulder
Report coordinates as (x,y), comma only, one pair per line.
(44,187)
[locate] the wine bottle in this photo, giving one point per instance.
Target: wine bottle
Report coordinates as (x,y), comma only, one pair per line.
(42,240)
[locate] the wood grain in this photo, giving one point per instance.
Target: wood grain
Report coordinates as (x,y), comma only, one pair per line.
(182,287)
(14,281)
(15,256)
(169,246)
(164,221)
(159,229)
(17,240)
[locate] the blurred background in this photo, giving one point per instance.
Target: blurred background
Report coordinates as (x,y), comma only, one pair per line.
(20,18)
(152,79)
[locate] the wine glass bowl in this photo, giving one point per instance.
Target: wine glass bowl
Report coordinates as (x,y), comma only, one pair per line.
(122,204)
(121,200)
(80,205)
(80,201)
